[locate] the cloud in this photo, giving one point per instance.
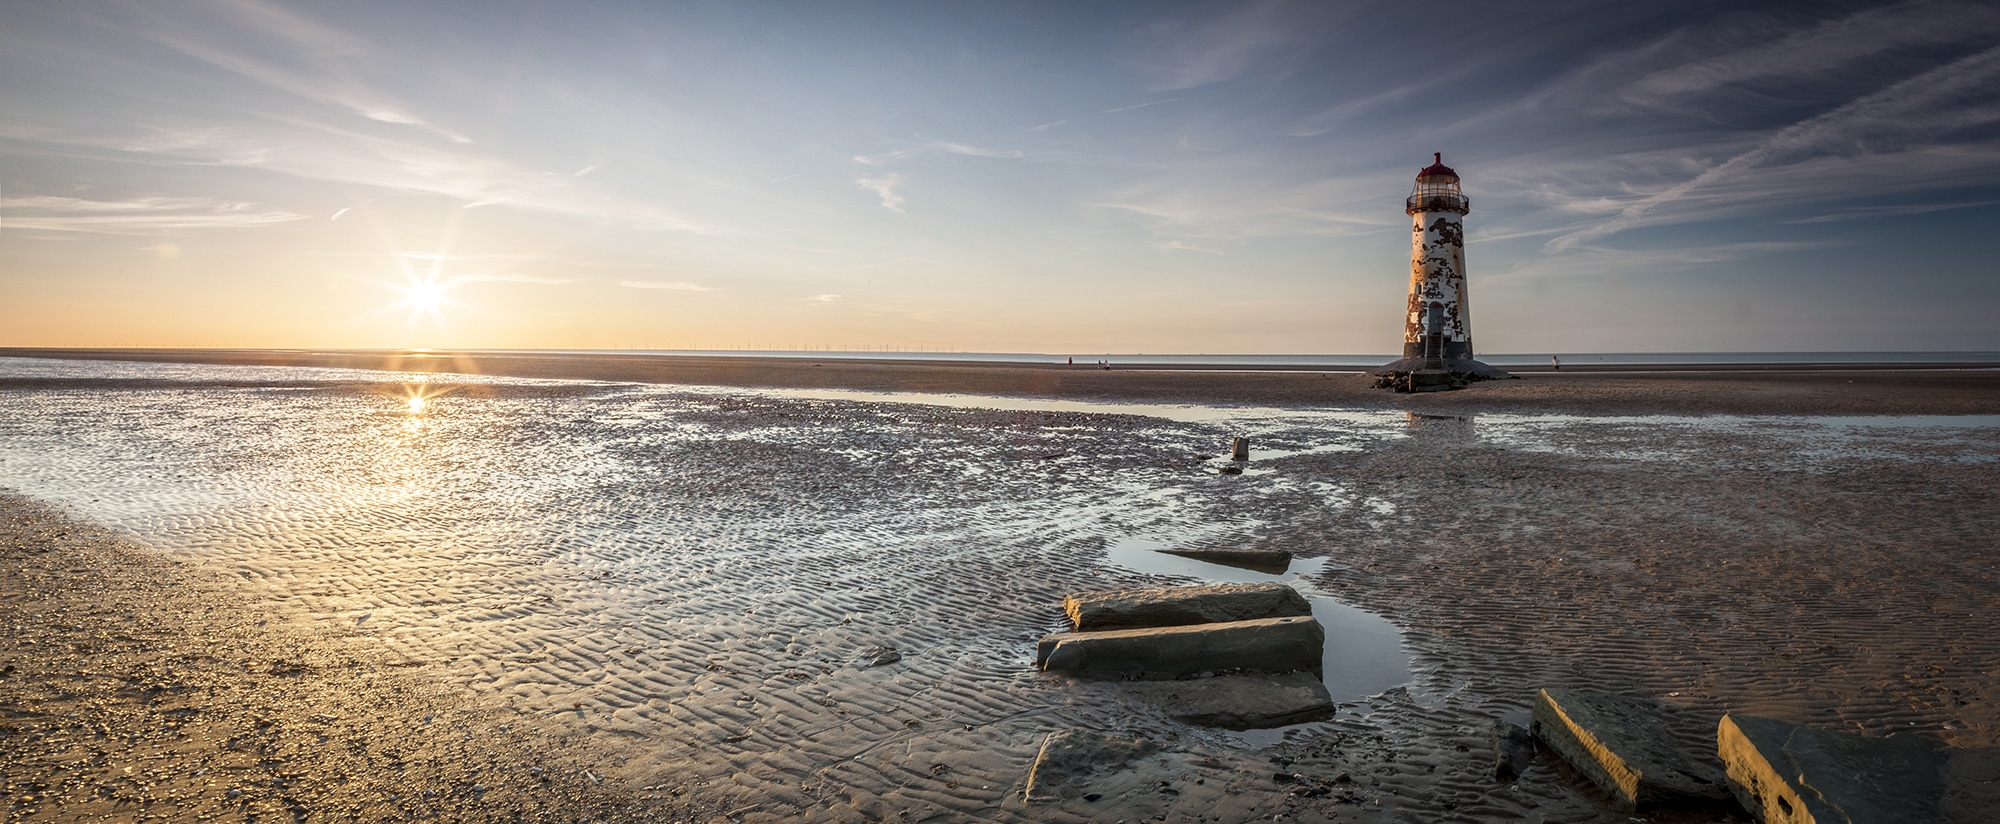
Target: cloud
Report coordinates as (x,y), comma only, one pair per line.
(1183,53)
(587,170)
(885,188)
(1177,246)
(513,278)
(934,146)
(1049,125)
(336,215)
(323,59)
(1826,47)
(678,285)
(1600,262)
(137,216)
(1891,211)
(316,151)
(1140,105)
(1219,200)
(820,298)
(1897,108)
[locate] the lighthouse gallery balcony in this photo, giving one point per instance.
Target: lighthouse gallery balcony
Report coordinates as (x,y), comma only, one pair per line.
(1437,201)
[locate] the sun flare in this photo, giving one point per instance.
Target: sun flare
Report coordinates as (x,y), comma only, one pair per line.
(424,296)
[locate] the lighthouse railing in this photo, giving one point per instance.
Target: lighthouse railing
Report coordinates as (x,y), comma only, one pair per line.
(1438,202)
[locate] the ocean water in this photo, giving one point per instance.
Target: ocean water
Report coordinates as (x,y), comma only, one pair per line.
(1332,361)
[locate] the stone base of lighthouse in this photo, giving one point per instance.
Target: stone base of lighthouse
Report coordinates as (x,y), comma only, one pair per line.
(1426,375)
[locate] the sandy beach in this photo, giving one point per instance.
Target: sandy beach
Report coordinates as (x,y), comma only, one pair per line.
(1694,389)
(672,630)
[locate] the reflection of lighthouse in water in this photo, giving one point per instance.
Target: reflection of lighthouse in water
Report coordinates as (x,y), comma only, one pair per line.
(1437,326)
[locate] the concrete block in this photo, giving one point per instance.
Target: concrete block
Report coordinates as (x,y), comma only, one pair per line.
(1626,746)
(1243,702)
(1069,758)
(1513,749)
(1265,645)
(1271,561)
(1174,606)
(1788,774)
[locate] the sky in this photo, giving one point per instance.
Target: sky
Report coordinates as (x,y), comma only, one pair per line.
(1056,177)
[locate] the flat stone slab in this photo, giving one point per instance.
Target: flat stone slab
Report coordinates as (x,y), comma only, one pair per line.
(1243,702)
(1069,758)
(1625,745)
(1272,561)
(1175,606)
(1790,774)
(1156,653)
(1513,749)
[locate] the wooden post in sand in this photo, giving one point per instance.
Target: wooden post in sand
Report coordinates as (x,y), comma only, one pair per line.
(1240,450)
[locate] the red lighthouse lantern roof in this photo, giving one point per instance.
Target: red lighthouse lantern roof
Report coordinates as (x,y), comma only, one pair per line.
(1437,169)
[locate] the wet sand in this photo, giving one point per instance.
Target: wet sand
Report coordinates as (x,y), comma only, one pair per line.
(135,687)
(1845,578)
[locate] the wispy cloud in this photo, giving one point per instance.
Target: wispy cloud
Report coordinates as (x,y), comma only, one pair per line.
(1186,51)
(1140,105)
(315,151)
(677,285)
(1602,262)
(150,215)
(1047,126)
(1891,211)
(320,57)
(514,278)
(885,188)
(1220,201)
(1889,110)
(828,298)
(1828,46)
(1177,246)
(934,146)
(336,215)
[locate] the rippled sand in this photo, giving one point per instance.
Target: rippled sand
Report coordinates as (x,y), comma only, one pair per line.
(698,580)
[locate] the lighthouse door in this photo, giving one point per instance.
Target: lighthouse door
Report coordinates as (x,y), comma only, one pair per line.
(1434,336)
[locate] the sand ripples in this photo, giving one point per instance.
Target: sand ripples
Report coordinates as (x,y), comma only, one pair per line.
(712,582)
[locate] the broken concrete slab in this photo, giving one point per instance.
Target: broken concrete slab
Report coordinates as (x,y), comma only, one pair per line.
(1175,606)
(1785,773)
(1513,749)
(1270,561)
(1971,786)
(1069,758)
(1243,702)
(1265,645)
(1625,745)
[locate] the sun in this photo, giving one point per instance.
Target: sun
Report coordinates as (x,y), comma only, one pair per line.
(424,297)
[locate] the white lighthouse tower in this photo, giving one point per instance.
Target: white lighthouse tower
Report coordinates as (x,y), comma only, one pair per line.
(1437,328)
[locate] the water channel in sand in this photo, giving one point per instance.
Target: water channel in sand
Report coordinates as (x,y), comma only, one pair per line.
(705,577)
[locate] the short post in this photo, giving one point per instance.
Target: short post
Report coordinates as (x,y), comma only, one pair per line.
(1240,450)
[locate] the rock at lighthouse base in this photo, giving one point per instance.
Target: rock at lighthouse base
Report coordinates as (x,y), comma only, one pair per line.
(1789,774)
(1626,746)
(1471,369)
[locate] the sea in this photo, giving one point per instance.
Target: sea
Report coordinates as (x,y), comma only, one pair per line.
(1326,361)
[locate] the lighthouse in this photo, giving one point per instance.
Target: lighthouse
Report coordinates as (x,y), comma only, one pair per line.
(1437,323)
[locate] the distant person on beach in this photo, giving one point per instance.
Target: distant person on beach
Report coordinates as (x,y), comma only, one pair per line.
(1072,361)
(1556,363)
